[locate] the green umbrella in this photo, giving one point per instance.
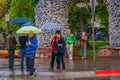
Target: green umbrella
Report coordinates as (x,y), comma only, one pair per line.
(26,29)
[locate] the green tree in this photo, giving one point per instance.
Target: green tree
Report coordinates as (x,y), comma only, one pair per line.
(22,8)
(3,24)
(74,18)
(3,8)
(79,18)
(101,15)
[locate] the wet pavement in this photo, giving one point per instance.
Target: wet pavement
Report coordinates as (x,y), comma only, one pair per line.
(76,69)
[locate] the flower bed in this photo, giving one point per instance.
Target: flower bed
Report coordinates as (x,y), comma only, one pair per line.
(4,54)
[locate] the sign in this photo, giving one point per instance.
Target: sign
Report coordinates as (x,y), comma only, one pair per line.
(81,5)
(7,17)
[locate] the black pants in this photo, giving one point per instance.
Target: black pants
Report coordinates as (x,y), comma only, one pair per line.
(30,63)
(52,60)
(60,59)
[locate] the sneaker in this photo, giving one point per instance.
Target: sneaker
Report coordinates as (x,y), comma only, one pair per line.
(35,71)
(63,70)
(83,57)
(50,69)
(27,70)
(11,69)
(58,70)
(31,76)
(22,70)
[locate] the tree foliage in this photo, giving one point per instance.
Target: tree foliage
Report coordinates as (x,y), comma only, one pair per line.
(22,8)
(3,24)
(81,17)
(3,4)
(74,18)
(102,13)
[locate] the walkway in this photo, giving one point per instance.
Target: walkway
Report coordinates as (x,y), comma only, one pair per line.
(77,69)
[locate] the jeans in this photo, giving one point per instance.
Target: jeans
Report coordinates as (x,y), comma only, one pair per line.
(60,58)
(83,49)
(52,60)
(11,58)
(70,50)
(22,56)
(30,58)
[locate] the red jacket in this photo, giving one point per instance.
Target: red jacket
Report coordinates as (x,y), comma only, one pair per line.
(53,46)
(54,39)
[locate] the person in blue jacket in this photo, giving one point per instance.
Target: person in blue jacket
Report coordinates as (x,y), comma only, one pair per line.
(60,50)
(32,44)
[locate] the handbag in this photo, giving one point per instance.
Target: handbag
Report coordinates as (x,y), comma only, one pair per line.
(79,44)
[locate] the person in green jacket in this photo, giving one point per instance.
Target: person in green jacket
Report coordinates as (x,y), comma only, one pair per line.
(70,41)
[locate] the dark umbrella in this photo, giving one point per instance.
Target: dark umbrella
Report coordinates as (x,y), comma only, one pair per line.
(27,24)
(20,20)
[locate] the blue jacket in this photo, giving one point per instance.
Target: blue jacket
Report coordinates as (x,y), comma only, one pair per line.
(31,49)
(59,48)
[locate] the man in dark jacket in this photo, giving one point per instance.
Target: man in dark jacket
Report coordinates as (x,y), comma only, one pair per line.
(22,40)
(31,44)
(11,45)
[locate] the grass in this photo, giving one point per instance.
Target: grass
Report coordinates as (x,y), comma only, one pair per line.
(89,52)
(98,43)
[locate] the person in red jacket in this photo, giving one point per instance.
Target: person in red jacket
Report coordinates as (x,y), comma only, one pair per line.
(53,47)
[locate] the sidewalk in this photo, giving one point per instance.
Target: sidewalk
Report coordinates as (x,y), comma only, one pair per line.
(77,69)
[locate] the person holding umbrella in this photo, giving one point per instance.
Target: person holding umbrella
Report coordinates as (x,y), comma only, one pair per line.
(32,44)
(22,40)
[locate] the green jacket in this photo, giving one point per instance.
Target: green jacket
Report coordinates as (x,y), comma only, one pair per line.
(70,39)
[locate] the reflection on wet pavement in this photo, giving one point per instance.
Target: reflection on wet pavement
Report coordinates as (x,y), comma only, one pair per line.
(77,69)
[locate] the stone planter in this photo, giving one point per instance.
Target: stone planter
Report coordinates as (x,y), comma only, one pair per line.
(43,52)
(109,51)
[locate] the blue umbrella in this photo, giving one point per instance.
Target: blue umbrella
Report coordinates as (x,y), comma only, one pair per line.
(51,26)
(27,24)
(20,20)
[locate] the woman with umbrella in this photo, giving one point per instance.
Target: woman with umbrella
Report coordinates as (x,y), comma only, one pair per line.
(31,44)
